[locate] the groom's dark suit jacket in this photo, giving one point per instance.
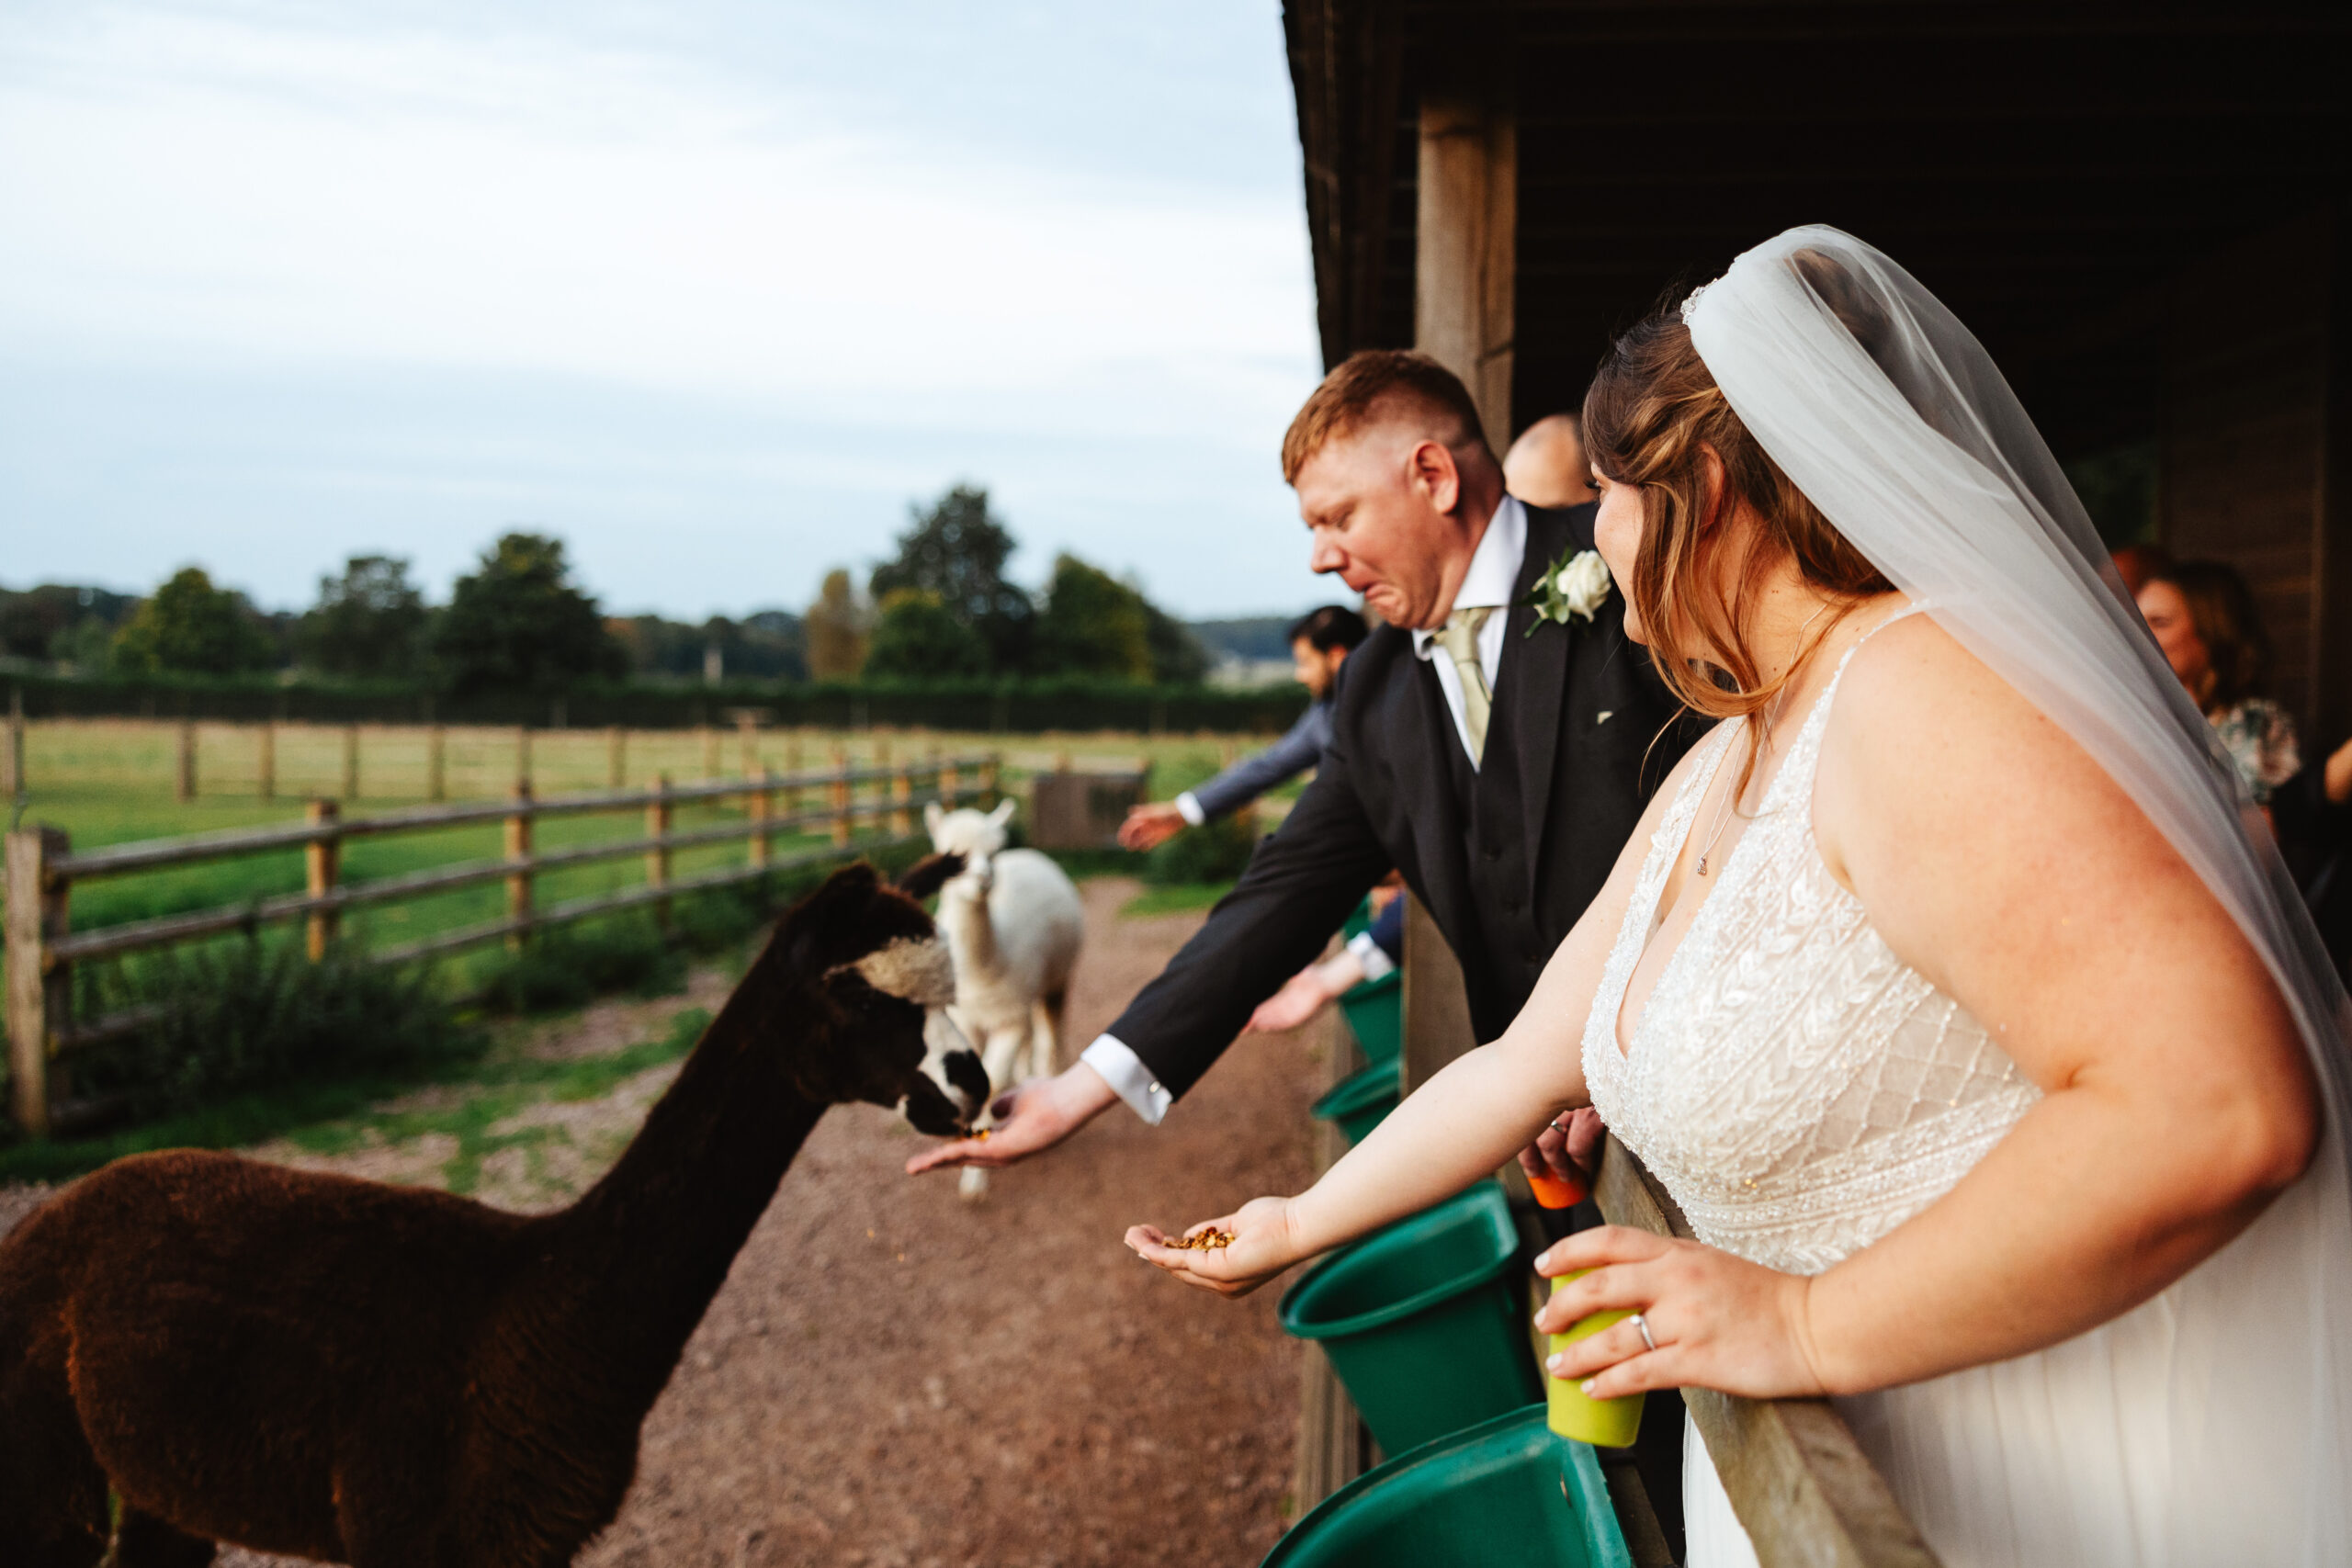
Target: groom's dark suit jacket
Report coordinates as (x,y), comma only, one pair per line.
(1505,857)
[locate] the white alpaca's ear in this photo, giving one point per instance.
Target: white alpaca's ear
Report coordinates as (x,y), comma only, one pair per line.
(1003,812)
(932,817)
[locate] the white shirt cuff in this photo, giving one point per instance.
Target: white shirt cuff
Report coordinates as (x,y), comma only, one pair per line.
(1193,814)
(1126,1075)
(1377,965)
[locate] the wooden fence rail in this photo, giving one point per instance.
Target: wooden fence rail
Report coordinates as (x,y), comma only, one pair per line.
(42,869)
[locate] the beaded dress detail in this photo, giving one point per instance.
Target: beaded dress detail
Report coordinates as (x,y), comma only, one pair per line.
(1799,1089)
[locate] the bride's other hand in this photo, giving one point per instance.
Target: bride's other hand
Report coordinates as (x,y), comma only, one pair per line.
(1720,1322)
(1265,1243)
(1570,1153)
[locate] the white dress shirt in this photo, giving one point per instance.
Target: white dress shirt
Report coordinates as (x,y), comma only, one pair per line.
(1494,572)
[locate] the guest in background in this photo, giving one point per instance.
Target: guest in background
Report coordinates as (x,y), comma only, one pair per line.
(1547,465)
(2204,619)
(2137,563)
(1320,641)
(1373,953)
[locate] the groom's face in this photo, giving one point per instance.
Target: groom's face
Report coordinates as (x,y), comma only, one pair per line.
(1379,504)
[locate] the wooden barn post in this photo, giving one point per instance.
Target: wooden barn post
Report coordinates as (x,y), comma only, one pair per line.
(322,866)
(38,993)
(1466,234)
(518,852)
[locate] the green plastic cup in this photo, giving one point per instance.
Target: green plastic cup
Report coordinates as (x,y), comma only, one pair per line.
(1604,1422)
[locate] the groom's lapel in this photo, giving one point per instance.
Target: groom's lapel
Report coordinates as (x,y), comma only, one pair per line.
(1537,669)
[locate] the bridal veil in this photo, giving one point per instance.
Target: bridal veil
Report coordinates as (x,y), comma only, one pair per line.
(1901,429)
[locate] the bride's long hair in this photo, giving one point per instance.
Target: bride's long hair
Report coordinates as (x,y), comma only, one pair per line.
(1653,413)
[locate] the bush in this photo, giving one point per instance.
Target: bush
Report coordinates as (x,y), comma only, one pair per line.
(245,1015)
(569,966)
(1215,852)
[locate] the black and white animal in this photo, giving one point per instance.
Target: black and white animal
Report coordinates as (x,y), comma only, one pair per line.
(1013,922)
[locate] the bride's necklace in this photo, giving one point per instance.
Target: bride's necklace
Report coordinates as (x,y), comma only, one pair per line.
(1722,812)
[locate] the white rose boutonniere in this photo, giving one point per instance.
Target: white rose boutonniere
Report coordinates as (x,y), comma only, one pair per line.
(1574,589)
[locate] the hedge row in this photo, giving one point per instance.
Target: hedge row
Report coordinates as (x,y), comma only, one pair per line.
(1004,708)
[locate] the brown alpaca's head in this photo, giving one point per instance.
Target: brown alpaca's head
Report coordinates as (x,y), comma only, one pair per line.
(882,980)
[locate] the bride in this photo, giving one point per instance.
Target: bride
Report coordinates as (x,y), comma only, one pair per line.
(1950,986)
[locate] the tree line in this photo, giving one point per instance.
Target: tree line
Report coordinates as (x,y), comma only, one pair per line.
(941,608)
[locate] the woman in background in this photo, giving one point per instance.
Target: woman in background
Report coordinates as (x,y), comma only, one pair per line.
(2204,618)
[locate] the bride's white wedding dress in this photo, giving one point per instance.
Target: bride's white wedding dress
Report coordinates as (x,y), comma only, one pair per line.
(1801,1091)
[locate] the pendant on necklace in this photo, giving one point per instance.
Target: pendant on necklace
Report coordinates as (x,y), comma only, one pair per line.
(1702,865)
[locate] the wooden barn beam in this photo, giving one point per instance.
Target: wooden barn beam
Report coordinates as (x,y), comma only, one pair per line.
(1465,254)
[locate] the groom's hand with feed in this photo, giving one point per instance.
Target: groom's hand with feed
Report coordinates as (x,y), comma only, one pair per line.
(1030,1119)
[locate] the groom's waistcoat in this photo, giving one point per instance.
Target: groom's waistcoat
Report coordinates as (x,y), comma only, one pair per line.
(1505,857)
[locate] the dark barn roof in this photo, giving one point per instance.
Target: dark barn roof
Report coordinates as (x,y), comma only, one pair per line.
(2043,167)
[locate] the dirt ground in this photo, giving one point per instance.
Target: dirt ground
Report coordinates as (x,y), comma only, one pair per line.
(892,1377)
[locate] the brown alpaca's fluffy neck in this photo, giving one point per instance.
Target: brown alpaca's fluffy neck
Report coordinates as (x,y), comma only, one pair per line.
(635,1263)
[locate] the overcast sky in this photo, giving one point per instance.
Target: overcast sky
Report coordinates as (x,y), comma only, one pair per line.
(712,288)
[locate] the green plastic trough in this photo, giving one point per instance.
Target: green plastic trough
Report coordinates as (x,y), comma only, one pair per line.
(1358,1102)
(1425,1322)
(1375,1011)
(1504,1493)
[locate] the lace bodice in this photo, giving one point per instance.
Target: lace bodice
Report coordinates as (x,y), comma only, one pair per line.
(1799,1089)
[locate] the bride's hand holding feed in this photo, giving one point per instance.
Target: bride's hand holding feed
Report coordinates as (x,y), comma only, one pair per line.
(1717,1321)
(1265,1243)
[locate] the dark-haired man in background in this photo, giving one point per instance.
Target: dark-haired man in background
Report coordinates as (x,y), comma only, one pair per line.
(1320,641)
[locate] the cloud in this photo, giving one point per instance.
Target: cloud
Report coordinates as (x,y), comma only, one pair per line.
(236,194)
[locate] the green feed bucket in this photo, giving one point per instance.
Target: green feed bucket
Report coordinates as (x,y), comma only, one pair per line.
(1358,1102)
(1375,1011)
(1426,1321)
(1506,1494)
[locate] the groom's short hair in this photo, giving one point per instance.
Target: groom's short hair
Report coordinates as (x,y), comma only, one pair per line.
(1379,383)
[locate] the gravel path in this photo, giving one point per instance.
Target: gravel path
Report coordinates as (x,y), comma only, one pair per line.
(894,1379)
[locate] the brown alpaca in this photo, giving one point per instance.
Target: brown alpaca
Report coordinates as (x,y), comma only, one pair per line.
(400,1379)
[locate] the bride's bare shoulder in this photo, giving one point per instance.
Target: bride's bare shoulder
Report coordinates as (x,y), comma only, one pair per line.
(1924,728)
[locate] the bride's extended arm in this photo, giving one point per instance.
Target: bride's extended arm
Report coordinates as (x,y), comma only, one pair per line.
(1463,1125)
(1999,860)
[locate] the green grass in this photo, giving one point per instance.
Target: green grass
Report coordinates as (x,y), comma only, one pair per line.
(337,1116)
(1174,898)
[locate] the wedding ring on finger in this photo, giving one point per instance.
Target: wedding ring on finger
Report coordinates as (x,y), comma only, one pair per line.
(1642,1325)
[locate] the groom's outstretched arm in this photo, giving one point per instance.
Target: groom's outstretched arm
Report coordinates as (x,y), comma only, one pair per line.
(1301,883)
(1300,886)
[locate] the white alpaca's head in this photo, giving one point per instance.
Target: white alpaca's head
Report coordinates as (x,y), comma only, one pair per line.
(977,836)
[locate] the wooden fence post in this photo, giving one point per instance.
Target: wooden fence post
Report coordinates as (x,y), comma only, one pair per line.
(14,760)
(709,751)
(988,779)
(518,848)
(351,761)
(523,756)
(763,808)
(266,760)
(841,795)
(37,995)
(902,789)
(947,786)
(185,787)
(323,863)
(436,756)
(747,734)
(792,770)
(657,859)
(615,756)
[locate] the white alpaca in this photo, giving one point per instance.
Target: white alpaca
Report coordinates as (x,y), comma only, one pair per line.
(1013,923)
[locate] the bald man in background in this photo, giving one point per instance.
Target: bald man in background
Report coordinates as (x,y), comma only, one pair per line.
(1546,467)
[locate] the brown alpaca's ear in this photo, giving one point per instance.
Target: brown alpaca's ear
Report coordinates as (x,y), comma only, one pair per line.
(929,875)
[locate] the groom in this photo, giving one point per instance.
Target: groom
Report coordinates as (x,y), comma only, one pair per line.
(1498,756)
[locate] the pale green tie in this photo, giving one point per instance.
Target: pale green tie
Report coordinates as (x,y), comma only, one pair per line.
(1460,640)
